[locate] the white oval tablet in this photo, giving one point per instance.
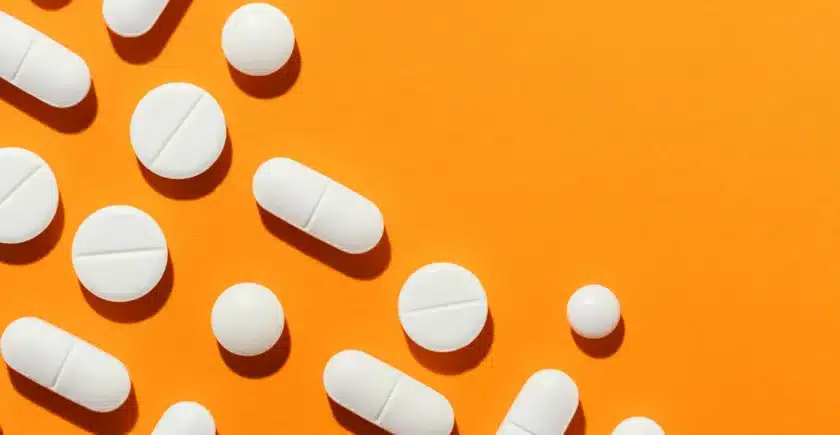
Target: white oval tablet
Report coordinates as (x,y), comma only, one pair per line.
(258,39)
(119,253)
(442,307)
(317,205)
(132,18)
(40,66)
(385,396)
(545,405)
(28,195)
(247,319)
(638,426)
(185,418)
(65,364)
(593,311)
(178,130)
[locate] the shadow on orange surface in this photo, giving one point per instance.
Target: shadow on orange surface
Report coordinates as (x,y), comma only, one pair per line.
(51,5)
(37,248)
(145,48)
(272,85)
(459,361)
(602,347)
(578,423)
(263,365)
(134,311)
(74,119)
(198,186)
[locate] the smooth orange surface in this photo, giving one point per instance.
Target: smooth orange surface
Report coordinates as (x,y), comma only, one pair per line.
(684,154)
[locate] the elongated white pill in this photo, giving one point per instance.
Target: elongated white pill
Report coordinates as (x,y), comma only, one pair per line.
(132,18)
(28,195)
(545,405)
(385,396)
(638,426)
(318,205)
(41,66)
(65,364)
(185,418)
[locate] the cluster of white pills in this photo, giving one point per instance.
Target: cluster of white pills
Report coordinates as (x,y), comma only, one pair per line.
(120,254)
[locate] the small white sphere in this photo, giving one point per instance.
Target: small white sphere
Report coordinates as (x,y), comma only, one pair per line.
(593,311)
(247,319)
(638,426)
(258,39)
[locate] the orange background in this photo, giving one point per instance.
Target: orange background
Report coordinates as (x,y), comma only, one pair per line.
(682,153)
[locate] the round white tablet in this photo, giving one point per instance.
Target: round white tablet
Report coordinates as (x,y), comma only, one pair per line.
(442,307)
(178,130)
(258,39)
(28,195)
(593,311)
(119,253)
(638,426)
(247,319)
(185,418)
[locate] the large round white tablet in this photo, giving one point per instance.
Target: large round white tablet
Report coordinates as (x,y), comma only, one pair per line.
(258,39)
(638,426)
(247,319)
(119,253)
(593,311)
(178,130)
(28,195)
(442,307)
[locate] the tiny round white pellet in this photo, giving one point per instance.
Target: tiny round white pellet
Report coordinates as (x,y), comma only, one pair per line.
(247,319)
(258,39)
(638,426)
(28,195)
(593,311)
(119,253)
(185,418)
(442,307)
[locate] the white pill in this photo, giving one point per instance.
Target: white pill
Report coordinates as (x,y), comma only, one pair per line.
(28,195)
(258,39)
(119,253)
(318,205)
(593,311)
(132,18)
(442,307)
(638,426)
(40,66)
(178,130)
(385,396)
(247,319)
(545,405)
(65,364)
(185,418)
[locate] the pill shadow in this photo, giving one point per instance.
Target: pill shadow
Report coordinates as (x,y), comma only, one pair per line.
(578,424)
(51,5)
(196,187)
(121,421)
(37,248)
(365,266)
(459,361)
(134,311)
(147,47)
(272,85)
(263,365)
(74,119)
(352,422)
(602,347)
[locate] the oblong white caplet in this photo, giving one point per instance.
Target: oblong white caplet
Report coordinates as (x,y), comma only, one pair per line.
(318,205)
(132,18)
(385,396)
(185,418)
(40,66)
(65,364)
(545,405)
(638,426)
(119,253)
(28,195)
(178,130)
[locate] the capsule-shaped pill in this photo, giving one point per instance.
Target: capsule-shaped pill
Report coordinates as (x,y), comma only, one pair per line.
(545,405)
(385,396)
(40,66)
(185,418)
(65,364)
(132,18)
(316,204)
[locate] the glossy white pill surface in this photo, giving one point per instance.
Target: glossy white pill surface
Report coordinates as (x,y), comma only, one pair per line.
(638,426)
(545,405)
(247,319)
(385,396)
(185,418)
(178,130)
(132,18)
(593,311)
(442,307)
(41,66)
(258,39)
(119,253)
(316,204)
(65,364)
(28,195)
